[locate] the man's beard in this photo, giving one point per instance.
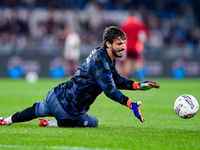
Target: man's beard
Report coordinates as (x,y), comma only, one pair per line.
(115,53)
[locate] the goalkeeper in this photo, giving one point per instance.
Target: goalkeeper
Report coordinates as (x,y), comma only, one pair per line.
(69,102)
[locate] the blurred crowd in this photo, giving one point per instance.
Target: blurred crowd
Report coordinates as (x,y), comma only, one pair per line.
(39,26)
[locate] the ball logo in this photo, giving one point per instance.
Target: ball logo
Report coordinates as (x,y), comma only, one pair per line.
(189,115)
(188,100)
(177,110)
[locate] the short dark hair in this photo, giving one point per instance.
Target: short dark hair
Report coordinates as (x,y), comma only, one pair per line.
(111,33)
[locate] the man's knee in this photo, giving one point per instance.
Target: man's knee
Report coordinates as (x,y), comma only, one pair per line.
(92,121)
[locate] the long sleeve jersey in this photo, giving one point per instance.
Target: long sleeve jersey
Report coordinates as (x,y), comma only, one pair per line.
(98,73)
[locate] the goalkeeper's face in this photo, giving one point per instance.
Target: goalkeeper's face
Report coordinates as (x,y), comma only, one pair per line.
(118,47)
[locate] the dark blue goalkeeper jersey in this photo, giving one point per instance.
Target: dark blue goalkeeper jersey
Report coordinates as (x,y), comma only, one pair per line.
(98,73)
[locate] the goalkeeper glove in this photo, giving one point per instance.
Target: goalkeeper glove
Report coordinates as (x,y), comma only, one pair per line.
(135,106)
(146,85)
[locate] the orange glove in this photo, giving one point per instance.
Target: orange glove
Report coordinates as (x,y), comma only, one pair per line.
(135,106)
(146,85)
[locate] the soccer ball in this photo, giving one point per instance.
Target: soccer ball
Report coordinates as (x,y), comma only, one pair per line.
(186,106)
(32,77)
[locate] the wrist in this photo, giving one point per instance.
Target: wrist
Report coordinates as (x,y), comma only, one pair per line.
(135,86)
(128,104)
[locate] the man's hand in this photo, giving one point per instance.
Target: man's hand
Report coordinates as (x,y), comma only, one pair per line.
(135,107)
(146,85)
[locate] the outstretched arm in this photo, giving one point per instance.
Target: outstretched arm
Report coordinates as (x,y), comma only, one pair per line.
(108,82)
(124,83)
(104,78)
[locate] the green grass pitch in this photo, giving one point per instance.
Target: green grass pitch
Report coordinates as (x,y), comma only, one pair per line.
(118,128)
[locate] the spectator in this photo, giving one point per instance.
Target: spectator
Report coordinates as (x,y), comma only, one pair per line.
(137,33)
(71,49)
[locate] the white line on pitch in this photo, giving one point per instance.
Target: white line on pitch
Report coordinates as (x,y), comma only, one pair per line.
(55,147)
